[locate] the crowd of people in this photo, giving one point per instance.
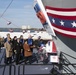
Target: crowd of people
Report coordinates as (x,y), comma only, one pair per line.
(22,49)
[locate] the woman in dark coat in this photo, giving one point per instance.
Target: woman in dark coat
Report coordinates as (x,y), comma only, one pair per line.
(14,41)
(18,50)
(22,50)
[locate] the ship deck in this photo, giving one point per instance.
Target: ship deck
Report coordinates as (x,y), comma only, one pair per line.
(22,69)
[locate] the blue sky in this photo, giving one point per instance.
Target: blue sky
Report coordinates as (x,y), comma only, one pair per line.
(20,13)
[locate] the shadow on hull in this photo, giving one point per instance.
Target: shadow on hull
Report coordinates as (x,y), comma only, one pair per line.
(69,42)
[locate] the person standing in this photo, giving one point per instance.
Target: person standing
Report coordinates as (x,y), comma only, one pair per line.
(30,42)
(14,42)
(22,50)
(27,53)
(7,45)
(38,43)
(18,51)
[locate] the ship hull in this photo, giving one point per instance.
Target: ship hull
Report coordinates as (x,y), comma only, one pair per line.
(64,43)
(66,46)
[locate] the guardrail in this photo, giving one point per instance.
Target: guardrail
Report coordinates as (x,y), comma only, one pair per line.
(13,70)
(65,63)
(2,56)
(58,68)
(10,68)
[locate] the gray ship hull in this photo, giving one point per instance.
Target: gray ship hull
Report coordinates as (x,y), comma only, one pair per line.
(66,46)
(63,43)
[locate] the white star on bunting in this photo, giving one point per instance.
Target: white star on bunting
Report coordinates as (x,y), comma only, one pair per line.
(53,20)
(62,23)
(74,24)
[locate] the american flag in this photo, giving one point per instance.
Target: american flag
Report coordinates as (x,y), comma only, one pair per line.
(63,20)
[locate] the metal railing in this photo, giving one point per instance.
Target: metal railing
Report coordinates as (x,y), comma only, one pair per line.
(20,70)
(11,69)
(24,73)
(2,56)
(58,68)
(66,65)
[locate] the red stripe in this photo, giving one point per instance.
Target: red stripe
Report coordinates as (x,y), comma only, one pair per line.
(62,17)
(54,47)
(70,36)
(64,28)
(67,35)
(60,9)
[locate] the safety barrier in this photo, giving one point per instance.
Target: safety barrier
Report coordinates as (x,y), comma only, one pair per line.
(7,70)
(20,70)
(57,69)
(2,56)
(65,64)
